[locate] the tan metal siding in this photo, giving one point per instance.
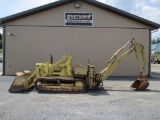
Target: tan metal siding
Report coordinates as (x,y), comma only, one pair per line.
(55,17)
(34,44)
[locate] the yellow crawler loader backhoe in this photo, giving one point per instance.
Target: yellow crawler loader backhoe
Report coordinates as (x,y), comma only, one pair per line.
(61,76)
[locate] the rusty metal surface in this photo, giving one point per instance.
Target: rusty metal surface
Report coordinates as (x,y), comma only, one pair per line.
(16,88)
(140,85)
(20,83)
(17,85)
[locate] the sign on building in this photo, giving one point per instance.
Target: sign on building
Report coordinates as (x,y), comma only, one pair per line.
(78,19)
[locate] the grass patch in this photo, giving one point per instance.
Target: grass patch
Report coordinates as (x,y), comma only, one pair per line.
(156,55)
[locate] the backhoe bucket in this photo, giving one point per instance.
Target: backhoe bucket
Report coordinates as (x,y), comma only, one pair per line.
(140,85)
(22,82)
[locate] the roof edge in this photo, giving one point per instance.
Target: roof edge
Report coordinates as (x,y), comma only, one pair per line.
(33,11)
(125,14)
(92,2)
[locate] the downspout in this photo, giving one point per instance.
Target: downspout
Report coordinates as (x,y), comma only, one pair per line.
(149,62)
(4,46)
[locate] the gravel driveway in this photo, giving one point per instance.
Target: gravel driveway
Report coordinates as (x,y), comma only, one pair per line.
(113,102)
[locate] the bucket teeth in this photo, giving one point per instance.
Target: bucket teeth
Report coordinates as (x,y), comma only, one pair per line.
(140,85)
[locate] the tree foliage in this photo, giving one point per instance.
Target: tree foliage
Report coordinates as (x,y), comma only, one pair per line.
(158,40)
(155,41)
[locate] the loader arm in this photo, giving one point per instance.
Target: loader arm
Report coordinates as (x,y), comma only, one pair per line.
(115,61)
(61,68)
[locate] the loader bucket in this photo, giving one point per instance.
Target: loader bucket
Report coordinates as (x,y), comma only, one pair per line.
(140,85)
(21,83)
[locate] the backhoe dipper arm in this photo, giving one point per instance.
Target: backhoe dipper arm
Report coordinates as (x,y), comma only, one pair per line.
(115,60)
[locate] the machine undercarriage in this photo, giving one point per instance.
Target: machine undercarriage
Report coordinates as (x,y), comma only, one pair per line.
(60,84)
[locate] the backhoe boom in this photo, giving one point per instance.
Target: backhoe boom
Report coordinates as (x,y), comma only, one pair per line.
(115,61)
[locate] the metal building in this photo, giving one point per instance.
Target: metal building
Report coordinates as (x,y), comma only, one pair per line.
(87,29)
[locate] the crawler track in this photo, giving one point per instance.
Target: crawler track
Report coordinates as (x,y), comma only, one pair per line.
(60,84)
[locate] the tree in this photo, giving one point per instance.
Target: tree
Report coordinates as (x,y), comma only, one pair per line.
(153,41)
(158,40)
